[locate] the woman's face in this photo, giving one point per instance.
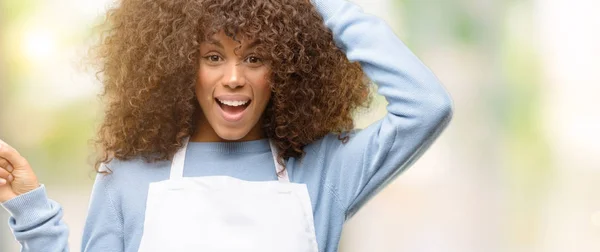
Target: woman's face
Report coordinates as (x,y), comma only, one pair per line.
(232,90)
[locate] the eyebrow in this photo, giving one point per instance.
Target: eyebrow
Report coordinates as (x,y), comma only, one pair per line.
(215,42)
(253,44)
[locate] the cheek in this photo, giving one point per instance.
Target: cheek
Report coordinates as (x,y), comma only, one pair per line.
(204,84)
(262,86)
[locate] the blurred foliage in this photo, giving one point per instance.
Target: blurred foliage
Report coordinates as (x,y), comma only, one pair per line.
(59,153)
(65,151)
(529,169)
(512,97)
(447,21)
(18,10)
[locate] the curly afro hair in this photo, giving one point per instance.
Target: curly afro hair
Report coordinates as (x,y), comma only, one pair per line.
(148,58)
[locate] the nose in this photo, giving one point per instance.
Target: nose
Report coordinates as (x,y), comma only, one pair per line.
(234,75)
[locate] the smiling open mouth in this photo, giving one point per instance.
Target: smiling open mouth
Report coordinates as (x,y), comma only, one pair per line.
(232,109)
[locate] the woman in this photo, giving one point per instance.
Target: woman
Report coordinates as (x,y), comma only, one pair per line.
(228,128)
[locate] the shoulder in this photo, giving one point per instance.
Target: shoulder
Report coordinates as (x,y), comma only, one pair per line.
(332,141)
(126,183)
(133,165)
(135,171)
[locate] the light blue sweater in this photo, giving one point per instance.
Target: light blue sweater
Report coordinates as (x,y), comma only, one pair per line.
(340,177)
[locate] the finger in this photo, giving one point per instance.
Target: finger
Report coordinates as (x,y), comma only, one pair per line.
(5,165)
(9,153)
(6,175)
(2,181)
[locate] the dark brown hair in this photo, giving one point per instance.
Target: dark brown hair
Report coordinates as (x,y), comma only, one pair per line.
(148,62)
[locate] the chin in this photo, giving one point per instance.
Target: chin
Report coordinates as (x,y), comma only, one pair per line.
(232,134)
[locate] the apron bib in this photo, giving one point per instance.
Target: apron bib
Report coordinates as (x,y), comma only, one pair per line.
(221,213)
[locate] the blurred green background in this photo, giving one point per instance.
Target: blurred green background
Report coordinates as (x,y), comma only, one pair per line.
(518,169)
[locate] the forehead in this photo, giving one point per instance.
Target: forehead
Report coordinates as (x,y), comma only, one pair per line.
(221,38)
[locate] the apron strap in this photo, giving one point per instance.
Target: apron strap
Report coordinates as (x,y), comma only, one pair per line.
(278,167)
(179,161)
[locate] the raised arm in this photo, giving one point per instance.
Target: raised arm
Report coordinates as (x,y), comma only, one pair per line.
(36,220)
(418,109)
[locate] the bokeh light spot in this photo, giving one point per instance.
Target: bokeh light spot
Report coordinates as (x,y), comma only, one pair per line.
(38,45)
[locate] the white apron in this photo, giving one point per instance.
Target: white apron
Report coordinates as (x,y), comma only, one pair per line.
(220,213)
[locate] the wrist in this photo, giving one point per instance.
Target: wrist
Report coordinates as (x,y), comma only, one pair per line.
(23,189)
(26,207)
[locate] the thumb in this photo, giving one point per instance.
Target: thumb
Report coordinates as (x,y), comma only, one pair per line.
(13,156)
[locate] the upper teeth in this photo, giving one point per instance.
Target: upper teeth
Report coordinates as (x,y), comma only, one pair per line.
(233,103)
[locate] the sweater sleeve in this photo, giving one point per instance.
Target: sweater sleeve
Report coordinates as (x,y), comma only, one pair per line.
(103,229)
(418,109)
(36,222)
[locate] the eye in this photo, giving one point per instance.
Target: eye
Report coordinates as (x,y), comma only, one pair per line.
(213,58)
(254,61)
